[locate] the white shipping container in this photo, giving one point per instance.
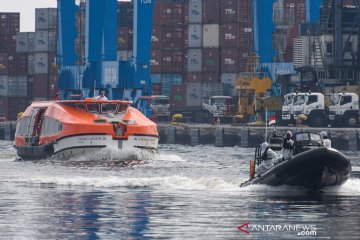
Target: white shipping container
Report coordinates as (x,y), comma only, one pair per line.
(229,81)
(195,35)
(211,35)
(18,86)
(40,63)
(212,89)
(195,11)
(193,95)
(4,90)
(42,41)
(194,60)
(45,18)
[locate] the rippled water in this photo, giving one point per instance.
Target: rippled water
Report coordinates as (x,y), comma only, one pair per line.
(183,193)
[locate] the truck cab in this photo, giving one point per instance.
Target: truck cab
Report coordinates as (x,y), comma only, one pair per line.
(312,106)
(287,111)
(219,106)
(155,107)
(344,110)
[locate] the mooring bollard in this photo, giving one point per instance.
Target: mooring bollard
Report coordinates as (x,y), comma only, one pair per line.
(353,141)
(171,135)
(194,135)
(244,135)
(219,137)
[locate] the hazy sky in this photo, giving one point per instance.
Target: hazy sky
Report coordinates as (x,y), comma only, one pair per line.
(26,9)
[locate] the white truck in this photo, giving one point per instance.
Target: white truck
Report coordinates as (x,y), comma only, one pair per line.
(344,110)
(309,105)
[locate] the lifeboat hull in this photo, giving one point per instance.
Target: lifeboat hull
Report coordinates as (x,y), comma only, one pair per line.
(313,170)
(69,129)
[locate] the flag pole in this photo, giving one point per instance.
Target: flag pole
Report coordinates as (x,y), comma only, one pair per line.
(266,125)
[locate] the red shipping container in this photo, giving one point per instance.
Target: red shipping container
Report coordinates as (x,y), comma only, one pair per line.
(178,97)
(172,37)
(155,61)
(4,107)
(211,77)
(4,64)
(193,77)
(38,86)
(156,88)
(172,61)
(294,32)
(229,11)
(229,35)
(210,60)
(9,23)
(229,60)
(242,60)
(211,13)
(245,14)
(168,14)
(123,38)
(15,106)
(156,37)
(246,36)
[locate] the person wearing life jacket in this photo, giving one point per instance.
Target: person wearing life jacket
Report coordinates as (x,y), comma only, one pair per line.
(268,156)
(102,96)
(325,139)
(288,146)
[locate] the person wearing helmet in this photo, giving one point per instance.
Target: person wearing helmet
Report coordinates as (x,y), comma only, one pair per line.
(288,146)
(325,139)
(268,156)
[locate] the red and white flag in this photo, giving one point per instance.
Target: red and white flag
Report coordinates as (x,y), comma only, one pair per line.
(272,120)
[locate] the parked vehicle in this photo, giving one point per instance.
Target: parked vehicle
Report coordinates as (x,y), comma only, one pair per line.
(344,110)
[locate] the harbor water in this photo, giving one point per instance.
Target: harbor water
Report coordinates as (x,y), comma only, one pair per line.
(182,193)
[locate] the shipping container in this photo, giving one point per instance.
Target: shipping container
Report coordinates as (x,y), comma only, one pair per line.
(53,86)
(9,23)
(8,43)
(193,77)
(17,86)
(125,14)
(195,32)
(211,35)
(229,11)
(155,61)
(211,13)
(243,57)
(155,78)
(4,86)
(178,97)
(246,36)
(123,38)
(172,61)
(229,82)
(25,42)
(166,13)
(229,35)
(38,63)
(156,37)
(17,64)
(172,37)
(4,107)
(38,85)
(194,60)
(245,14)
(195,11)
(168,80)
(210,60)
(229,60)
(193,95)
(156,88)
(41,41)
(16,105)
(212,89)
(4,63)
(211,77)
(45,18)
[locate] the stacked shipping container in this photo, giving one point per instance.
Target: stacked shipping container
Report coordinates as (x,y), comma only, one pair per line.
(27,61)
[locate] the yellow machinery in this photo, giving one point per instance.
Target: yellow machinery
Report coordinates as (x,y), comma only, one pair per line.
(252,87)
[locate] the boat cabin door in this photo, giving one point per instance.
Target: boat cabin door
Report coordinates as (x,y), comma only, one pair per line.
(34,128)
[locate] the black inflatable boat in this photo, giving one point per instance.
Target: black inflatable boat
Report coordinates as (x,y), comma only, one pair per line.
(312,166)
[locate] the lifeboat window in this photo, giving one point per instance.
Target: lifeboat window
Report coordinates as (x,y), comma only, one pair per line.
(93,107)
(123,108)
(108,108)
(22,126)
(81,106)
(51,126)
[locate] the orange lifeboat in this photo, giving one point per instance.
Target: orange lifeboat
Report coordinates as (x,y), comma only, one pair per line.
(63,128)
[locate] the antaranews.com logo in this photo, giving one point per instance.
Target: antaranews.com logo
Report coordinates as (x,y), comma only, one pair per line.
(298,229)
